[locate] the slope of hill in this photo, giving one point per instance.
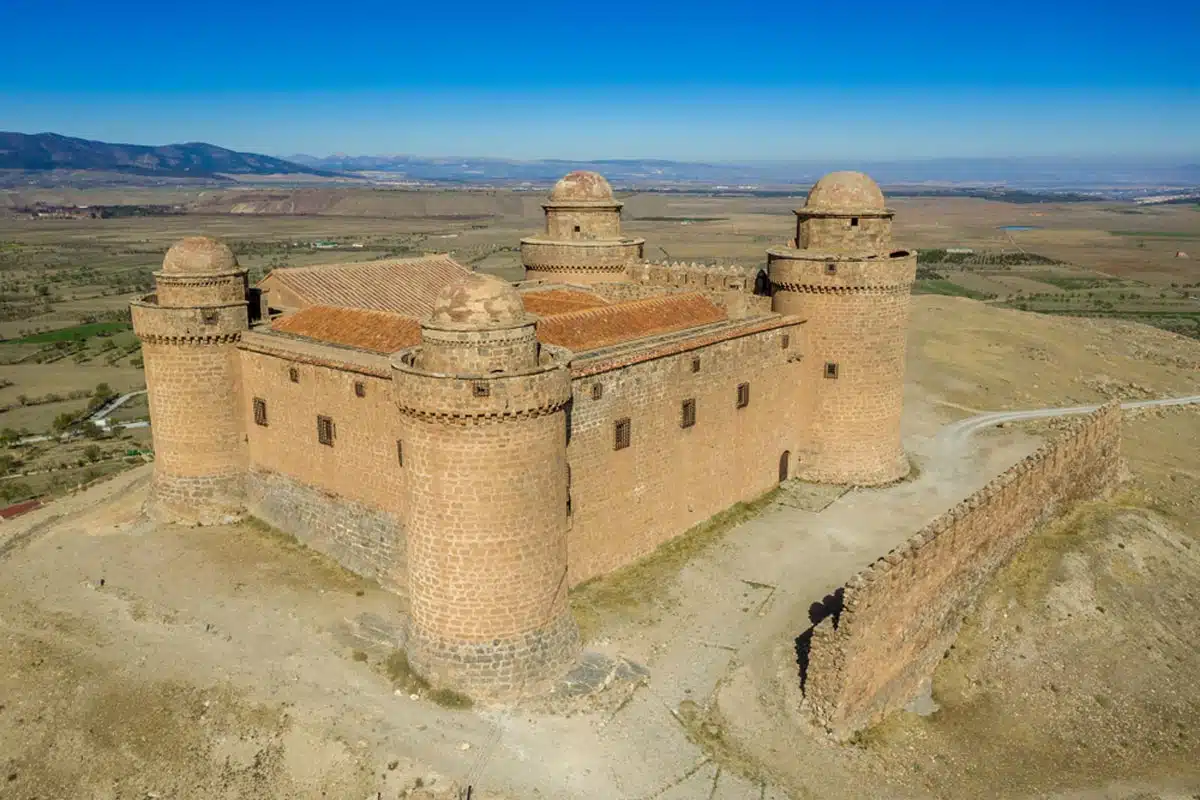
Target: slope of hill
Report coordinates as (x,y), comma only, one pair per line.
(50,151)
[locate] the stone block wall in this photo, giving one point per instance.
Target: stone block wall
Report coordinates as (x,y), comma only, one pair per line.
(626,502)
(901,614)
(364,540)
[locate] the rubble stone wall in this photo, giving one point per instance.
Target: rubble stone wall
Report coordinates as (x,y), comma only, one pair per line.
(901,614)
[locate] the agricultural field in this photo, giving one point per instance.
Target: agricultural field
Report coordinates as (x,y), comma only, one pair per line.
(65,284)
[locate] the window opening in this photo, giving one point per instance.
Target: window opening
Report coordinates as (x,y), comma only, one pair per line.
(831,369)
(743,395)
(293,375)
(623,433)
(688,416)
(597,391)
(360,389)
(325,431)
(260,411)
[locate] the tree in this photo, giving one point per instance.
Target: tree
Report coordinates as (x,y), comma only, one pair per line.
(63,421)
(92,453)
(9,437)
(103,391)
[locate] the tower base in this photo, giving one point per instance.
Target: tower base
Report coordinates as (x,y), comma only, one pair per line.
(208,500)
(497,669)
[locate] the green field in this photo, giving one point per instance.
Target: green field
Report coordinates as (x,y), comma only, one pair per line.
(74,334)
(943,286)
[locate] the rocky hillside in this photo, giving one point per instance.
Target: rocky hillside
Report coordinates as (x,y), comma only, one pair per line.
(50,151)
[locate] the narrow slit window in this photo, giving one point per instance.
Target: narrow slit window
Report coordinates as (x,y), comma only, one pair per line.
(400,452)
(597,391)
(695,365)
(260,412)
(293,374)
(687,416)
(785,342)
(831,369)
(623,434)
(743,395)
(325,431)
(360,389)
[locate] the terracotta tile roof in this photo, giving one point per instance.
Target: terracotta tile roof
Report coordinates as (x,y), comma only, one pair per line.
(603,326)
(407,285)
(366,329)
(560,301)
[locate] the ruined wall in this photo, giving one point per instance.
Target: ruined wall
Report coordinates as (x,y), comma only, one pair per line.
(902,613)
(627,502)
(340,499)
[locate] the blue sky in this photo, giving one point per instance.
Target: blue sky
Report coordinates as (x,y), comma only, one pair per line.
(800,80)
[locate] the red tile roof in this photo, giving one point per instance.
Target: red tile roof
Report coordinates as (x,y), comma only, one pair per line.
(366,329)
(559,301)
(593,328)
(406,286)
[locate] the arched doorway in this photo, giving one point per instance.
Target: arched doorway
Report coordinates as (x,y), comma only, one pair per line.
(784,461)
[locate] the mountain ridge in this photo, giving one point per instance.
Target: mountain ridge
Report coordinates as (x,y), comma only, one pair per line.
(43,152)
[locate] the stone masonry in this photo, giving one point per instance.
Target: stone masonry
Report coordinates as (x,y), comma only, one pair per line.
(483,468)
(901,614)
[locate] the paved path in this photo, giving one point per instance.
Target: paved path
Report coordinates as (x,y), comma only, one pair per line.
(100,416)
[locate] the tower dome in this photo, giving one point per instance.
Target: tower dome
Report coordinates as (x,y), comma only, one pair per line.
(582,185)
(199,255)
(478,302)
(845,193)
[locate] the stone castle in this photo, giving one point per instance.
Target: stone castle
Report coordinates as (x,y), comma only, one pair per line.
(479,447)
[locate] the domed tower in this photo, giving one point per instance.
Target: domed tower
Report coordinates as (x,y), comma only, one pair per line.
(484,445)
(583,242)
(846,278)
(189,330)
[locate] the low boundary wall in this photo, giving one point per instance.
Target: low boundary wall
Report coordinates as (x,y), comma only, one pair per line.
(900,615)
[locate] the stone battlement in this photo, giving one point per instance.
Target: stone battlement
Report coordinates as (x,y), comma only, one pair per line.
(699,277)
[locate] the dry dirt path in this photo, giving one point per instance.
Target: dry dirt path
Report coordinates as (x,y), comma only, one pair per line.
(255,625)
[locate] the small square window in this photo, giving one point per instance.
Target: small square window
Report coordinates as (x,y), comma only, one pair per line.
(688,416)
(293,375)
(260,412)
(360,389)
(481,389)
(209,316)
(743,395)
(400,452)
(623,434)
(831,369)
(597,390)
(325,431)
(695,365)
(831,269)
(785,342)
(854,222)
(577,229)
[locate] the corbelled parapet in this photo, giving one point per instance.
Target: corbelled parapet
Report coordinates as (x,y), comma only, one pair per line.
(189,330)
(483,440)
(853,287)
(582,242)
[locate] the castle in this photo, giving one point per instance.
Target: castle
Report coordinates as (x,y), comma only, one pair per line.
(479,447)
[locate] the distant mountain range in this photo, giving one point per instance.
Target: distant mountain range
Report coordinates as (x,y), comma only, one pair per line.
(50,151)
(1040,174)
(49,159)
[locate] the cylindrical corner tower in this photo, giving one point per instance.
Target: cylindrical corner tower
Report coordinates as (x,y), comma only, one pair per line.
(852,286)
(483,438)
(189,331)
(583,242)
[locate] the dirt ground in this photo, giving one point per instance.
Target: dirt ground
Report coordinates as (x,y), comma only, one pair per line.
(228,662)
